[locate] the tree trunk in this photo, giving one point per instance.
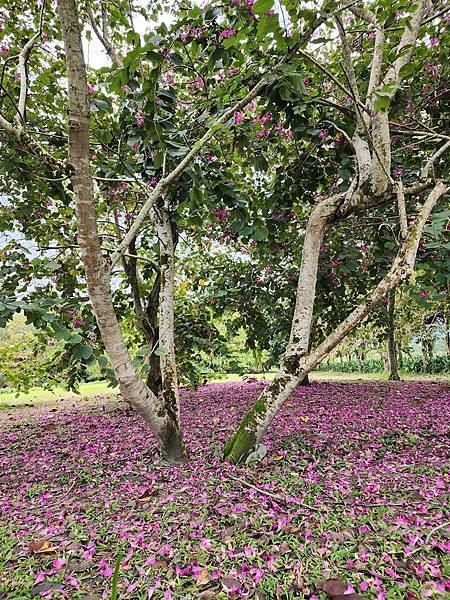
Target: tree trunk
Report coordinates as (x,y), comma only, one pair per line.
(146,318)
(97,271)
(391,345)
(427,354)
(167,359)
(305,380)
(295,367)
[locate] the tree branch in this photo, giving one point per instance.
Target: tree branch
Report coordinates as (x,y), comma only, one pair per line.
(402,216)
(428,166)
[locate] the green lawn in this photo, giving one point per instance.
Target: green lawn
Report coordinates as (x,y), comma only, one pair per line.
(8,398)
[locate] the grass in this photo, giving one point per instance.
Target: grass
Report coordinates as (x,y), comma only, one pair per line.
(347,471)
(36,395)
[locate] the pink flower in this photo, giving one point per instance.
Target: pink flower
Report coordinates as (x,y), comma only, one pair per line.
(169,78)
(238,118)
(58,563)
(227,33)
(232,72)
(424,294)
(39,577)
(104,569)
(364,585)
(397,172)
(73,582)
(434,42)
(323,133)
(153,181)
(139,118)
(4,50)
(91,89)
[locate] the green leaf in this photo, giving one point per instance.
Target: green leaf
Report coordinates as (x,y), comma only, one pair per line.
(262,6)
(260,233)
(82,351)
(102,361)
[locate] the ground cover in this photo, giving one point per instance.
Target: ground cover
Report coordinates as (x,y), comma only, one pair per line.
(349,498)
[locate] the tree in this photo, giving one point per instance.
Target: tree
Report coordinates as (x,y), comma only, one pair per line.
(372,185)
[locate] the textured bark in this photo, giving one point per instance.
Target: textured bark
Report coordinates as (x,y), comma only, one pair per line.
(146,316)
(391,344)
(168,366)
(294,368)
(133,389)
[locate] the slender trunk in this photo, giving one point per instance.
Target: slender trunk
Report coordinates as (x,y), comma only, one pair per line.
(295,367)
(133,389)
(154,380)
(146,317)
(400,356)
(391,345)
(427,354)
(168,367)
(318,224)
(305,380)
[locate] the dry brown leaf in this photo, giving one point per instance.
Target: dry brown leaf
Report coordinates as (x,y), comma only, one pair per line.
(146,496)
(42,547)
(203,578)
(334,587)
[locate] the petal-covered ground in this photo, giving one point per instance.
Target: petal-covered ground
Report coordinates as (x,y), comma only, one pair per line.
(351,498)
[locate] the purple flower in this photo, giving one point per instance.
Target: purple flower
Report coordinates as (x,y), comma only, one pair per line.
(238,118)
(4,50)
(139,118)
(323,133)
(434,42)
(227,33)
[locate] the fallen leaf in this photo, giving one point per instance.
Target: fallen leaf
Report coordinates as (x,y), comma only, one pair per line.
(334,587)
(203,578)
(46,586)
(227,533)
(42,547)
(304,419)
(80,567)
(207,594)
(146,496)
(230,584)
(160,564)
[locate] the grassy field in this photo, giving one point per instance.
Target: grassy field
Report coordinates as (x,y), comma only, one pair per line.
(9,398)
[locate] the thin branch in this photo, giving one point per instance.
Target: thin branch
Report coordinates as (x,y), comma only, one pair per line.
(104,39)
(403,220)
(428,166)
(347,55)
